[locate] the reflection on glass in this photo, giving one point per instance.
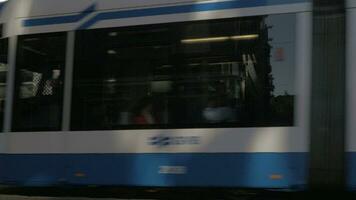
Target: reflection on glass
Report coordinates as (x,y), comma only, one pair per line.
(217,73)
(3,73)
(39,82)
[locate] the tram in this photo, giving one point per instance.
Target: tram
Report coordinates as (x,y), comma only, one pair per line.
(160,93)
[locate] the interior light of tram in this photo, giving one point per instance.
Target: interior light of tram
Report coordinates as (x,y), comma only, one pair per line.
(220,39)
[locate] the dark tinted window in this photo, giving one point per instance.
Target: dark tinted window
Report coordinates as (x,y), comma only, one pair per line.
(216,73)
(39,82)
(3,73)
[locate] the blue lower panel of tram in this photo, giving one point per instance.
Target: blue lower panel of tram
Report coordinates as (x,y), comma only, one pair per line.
(250,170)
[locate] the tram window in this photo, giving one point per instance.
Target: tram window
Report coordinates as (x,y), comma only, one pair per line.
(235,72)
(3,73)
(39,82)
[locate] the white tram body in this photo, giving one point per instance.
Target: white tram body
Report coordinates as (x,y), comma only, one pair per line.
(76,70)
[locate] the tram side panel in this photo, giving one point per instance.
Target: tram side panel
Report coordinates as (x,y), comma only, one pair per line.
(230,109)
(351,96)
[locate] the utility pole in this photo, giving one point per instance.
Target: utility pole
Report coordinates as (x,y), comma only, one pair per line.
(327,150)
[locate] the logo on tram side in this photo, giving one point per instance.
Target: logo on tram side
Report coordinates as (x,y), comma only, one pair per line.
(165,140)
